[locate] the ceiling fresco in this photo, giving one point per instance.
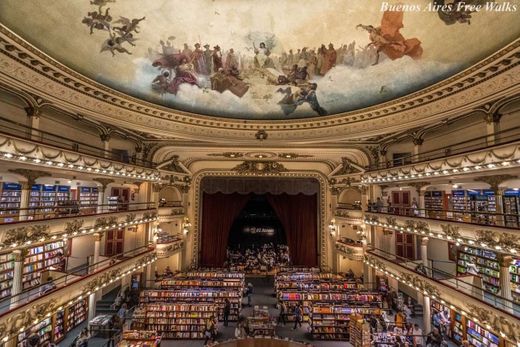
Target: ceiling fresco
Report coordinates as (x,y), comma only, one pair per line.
(269,59)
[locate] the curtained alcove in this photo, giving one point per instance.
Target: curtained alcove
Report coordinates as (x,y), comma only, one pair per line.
(295,202)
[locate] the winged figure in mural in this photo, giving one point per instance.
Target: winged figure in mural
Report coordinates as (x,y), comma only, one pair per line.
(451,13)
(387,39)
(117,35)
(98,20)
(306,93)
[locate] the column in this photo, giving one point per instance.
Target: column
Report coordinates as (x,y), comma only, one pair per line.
(149,276)
(33,122)
(492,127)
(97,247)
(102,192)
(17,287)
(105,138)
(91,306)
(505,282)
(24,200)
(424,255)
(417,143)
(499,203)
(427,316)
(382,157)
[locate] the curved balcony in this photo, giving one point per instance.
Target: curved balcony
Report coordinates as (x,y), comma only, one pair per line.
(169,245)
(71,209)
(504,137)
(459,288)
(468,217)
(351,249)
(71,284)
(22,131)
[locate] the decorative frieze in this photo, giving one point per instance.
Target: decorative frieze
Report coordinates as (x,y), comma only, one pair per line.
(25,235)
(254,167)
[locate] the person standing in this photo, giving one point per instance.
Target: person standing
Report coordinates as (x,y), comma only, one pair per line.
(249,293)
(283,313)
(297,316)
(227,311)
(417,336)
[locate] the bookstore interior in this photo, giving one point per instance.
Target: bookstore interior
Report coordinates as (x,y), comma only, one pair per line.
(223,173)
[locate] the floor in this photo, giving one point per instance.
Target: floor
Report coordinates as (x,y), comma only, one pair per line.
(263,295)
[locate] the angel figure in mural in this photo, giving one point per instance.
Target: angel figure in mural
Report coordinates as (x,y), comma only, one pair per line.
(388,40)
(128,25)
(305,94)
(98,20)
(114,44)
(117,35)
(451,13)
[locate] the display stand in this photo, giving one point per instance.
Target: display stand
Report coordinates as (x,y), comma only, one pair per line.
(359,332)
(139,338)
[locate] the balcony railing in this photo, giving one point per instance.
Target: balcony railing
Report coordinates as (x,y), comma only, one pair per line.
(478,143)
(348,206)
(503,220)
(64,279)
(173,203)
(462,284)
(23,215)
(12,128)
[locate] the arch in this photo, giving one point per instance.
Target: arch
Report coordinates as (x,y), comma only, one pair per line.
(170,193)
(349,196)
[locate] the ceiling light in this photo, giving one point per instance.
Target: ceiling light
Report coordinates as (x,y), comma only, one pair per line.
(506,163)
(23,158)
(478,167)
(8,155)
(37,160)
(466,169)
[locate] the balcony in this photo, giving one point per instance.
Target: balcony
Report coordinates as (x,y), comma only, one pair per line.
(351,249)
(64,212)
(464,293)
(25,145)
(463,159)
(504,137)
(170,210)
(492,219)
(70,287)
(168,245)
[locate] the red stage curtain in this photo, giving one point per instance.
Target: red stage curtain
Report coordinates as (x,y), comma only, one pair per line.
(218,214)
(298,215)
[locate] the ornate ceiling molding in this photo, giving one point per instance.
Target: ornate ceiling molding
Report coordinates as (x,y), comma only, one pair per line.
(26,69)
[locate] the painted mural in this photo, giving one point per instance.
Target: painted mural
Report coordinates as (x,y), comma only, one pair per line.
(265,60)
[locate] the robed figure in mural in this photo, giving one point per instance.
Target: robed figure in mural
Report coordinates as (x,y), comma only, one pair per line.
(184,73)
(388,39)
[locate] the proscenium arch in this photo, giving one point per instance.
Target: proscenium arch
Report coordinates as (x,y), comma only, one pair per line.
(323,252)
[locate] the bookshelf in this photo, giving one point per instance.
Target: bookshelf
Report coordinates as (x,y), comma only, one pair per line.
(43,329)
(88,199)
(214,296)
(6,274)
(479,337)
(140,338)
(459,203)
(175,321)
(34,201)
(58,326)
(485,261)
(359,332)
(180,283)
(511,203)
(331,322)
(76,314)
(458,332)
(10,199)
(39,259)
(434,203)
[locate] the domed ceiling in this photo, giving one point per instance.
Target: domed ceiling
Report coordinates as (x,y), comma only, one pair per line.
(269,59)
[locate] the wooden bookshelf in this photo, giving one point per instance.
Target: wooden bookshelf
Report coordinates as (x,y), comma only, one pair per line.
(175,321)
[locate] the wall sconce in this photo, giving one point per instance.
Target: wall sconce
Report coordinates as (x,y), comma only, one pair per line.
(333,228)
(186,225)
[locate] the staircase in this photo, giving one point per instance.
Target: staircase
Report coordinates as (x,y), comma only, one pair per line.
(104,306)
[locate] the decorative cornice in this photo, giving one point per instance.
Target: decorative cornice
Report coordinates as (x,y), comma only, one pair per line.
(30,175)
(494,322)
(25,235)
(227,154)
(74,226)
(23,65)
(494,180)
(259,168)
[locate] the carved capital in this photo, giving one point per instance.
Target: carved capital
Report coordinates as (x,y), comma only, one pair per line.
(494,180)
(103,181)
(105,137)
(97,236)
(30,175)
(418,141)
(492,117)
(419,185)
(32,111)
